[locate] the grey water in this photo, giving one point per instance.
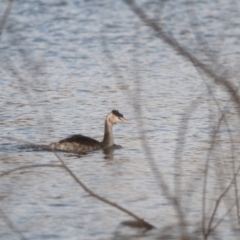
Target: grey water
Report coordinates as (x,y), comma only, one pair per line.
(64,66)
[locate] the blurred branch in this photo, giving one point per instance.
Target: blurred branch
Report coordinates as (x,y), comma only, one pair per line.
(216,225)
(179,49)
(141,221)
(5,15)
(213,141)
(137,109)
(201,67)
(182,130)
(28,167)
(11,225)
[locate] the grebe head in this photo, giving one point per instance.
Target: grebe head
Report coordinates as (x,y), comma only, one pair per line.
(115,116)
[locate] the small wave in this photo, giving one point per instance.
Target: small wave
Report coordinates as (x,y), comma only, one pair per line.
(7,147)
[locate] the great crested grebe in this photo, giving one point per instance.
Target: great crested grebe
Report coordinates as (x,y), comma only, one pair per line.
(83,144)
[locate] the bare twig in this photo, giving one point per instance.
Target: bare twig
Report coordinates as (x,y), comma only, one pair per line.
(219,79)
(157,173)
(183,127)
(169,40)
(11,225)
(227,212)
(140,221)
(206,174)
(29,167)
(210,228)
(5,15)
(93,194)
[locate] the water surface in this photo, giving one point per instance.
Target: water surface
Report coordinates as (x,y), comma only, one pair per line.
(64,67)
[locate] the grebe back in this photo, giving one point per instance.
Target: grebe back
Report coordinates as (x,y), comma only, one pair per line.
(83,144)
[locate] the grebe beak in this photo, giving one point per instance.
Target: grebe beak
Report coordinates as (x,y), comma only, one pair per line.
(124,120)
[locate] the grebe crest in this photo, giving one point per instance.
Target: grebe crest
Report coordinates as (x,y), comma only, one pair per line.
(115,116)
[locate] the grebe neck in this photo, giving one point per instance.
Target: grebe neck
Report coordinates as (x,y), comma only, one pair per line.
(108,135)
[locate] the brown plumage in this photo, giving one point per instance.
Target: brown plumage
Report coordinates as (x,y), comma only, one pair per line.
(83,144)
